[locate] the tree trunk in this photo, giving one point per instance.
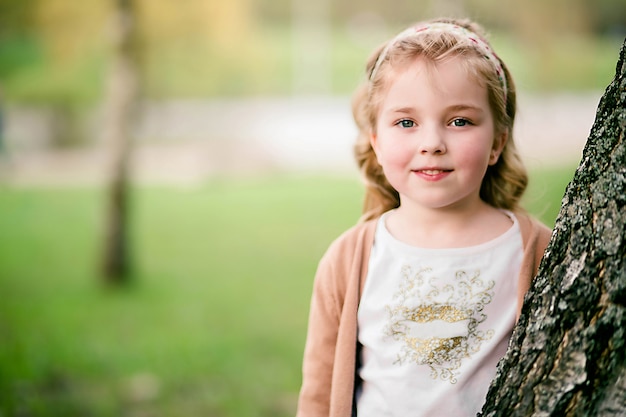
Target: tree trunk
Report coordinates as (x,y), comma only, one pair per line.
(122,98)
(567,356)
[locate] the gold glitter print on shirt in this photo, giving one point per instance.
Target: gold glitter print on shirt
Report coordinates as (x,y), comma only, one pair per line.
(438,322)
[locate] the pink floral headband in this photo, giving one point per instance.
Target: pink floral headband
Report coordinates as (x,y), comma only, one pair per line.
(479,43)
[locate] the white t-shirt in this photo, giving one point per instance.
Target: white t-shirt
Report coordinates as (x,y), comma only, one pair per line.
(434,323)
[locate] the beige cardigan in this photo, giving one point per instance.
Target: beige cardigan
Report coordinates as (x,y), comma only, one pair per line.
(329,365)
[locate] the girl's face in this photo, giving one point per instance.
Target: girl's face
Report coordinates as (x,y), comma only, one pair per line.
(435,135)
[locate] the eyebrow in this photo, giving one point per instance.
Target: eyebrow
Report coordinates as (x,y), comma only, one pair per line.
(456,107)
(459,107)
(405,110)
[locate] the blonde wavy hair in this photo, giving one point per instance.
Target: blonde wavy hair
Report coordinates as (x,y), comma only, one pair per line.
(504,182)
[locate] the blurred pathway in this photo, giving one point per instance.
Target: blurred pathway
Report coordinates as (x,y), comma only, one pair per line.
(186,142)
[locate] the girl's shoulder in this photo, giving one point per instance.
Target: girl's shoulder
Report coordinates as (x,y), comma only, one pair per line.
(356,236)
(345,257)
(535,237)
(353,244)
(532,229)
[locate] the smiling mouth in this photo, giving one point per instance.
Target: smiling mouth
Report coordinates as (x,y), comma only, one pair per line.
(433,171)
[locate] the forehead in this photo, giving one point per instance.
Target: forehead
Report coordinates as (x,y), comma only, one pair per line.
(422,79)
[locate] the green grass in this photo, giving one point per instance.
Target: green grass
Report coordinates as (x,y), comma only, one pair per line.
(215,322)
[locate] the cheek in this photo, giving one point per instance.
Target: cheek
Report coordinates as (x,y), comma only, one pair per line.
(476,157)
(393,156)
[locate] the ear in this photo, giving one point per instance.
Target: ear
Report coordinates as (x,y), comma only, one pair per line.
(498,145)
(374,141)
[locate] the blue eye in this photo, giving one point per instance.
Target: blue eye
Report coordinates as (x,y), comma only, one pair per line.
(406,123)
(460,122)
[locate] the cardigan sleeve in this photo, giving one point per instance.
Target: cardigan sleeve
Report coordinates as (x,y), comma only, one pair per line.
(329,355)
(319,351)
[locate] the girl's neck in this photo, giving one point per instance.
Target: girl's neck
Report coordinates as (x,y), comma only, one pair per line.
(447,228)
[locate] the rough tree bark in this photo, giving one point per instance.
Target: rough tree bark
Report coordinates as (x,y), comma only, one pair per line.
(567,356)
(122,98)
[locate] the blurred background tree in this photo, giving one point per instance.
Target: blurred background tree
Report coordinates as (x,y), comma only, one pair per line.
(121,99)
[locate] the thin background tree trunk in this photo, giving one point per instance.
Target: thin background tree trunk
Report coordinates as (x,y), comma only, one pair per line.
(121,102)
(567,356)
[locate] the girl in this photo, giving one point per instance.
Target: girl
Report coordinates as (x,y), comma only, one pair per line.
(413,307)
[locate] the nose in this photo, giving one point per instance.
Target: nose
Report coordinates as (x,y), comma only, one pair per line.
(432,141)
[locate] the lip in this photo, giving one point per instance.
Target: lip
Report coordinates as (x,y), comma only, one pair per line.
(432,173)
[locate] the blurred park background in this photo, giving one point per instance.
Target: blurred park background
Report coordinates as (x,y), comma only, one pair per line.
(212,139)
